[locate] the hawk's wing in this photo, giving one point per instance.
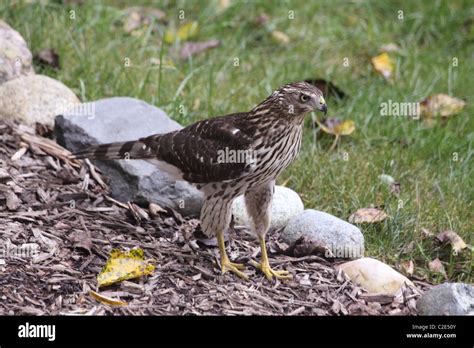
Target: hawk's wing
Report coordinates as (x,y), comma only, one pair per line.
(207,151)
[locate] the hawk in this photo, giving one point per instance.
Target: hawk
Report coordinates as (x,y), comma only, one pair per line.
(227,156)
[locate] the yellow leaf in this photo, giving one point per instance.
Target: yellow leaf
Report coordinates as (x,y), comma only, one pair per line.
(185,32)
(368,215)
(344,128)
(451,237)
(107,300)
(441,105)
(336,126)
(383,64)
(124,265)
(280,37)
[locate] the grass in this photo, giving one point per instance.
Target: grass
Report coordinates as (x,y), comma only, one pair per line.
(436,191)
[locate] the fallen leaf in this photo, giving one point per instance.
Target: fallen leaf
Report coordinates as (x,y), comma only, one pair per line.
(390,181)
(280,37)
(185,32)
(192,48)
(304,246)
(48,57)
(383,64)
(426,233)
(368,215)
(138,17)
(81,239)
(441,105)
(437,266)
(390,47)
(123,266)
(408,267)
(327,87)
(336,127)
(107,300)
(451,237)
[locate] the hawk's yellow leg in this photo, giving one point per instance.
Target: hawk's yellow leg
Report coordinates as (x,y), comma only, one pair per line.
(226,264)
(264,265)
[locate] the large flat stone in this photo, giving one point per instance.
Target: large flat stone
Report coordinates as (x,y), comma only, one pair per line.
(447,299)
(123,119)
(343,239)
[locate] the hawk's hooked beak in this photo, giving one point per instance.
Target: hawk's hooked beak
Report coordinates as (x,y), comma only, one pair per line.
(322,106)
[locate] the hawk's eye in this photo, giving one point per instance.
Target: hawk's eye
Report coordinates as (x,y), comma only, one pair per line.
(304,98)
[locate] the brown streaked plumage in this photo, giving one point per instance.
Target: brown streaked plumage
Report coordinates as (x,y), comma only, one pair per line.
(227,156)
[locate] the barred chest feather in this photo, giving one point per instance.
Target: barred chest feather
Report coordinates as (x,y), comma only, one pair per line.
(276,156)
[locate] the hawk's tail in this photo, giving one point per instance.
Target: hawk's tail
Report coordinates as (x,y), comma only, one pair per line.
(126,150)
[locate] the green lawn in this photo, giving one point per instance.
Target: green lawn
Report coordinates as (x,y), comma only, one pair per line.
(436,191)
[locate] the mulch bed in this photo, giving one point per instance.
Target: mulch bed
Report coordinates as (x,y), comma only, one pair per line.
(62,208)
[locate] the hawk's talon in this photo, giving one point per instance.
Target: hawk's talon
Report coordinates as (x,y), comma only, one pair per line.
(270,272)
(227,265)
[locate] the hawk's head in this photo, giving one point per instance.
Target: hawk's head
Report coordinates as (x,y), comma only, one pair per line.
(299,98)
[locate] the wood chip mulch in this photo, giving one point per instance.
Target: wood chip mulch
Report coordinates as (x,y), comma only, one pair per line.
(61,210)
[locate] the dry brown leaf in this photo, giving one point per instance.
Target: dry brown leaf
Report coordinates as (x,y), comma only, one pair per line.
(190,49)
(437,266)
(82,240)
(426,233)
(280,37)
(408,267)
(451,237)
(137,17)
(368,215)
(441,105)
(304,246)
(48,57)
(390,181)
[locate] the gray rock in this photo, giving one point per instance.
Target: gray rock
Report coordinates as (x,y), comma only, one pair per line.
(35,98)
(342,238)
(123,119)
(286,204)
(15,57)
(447,299)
